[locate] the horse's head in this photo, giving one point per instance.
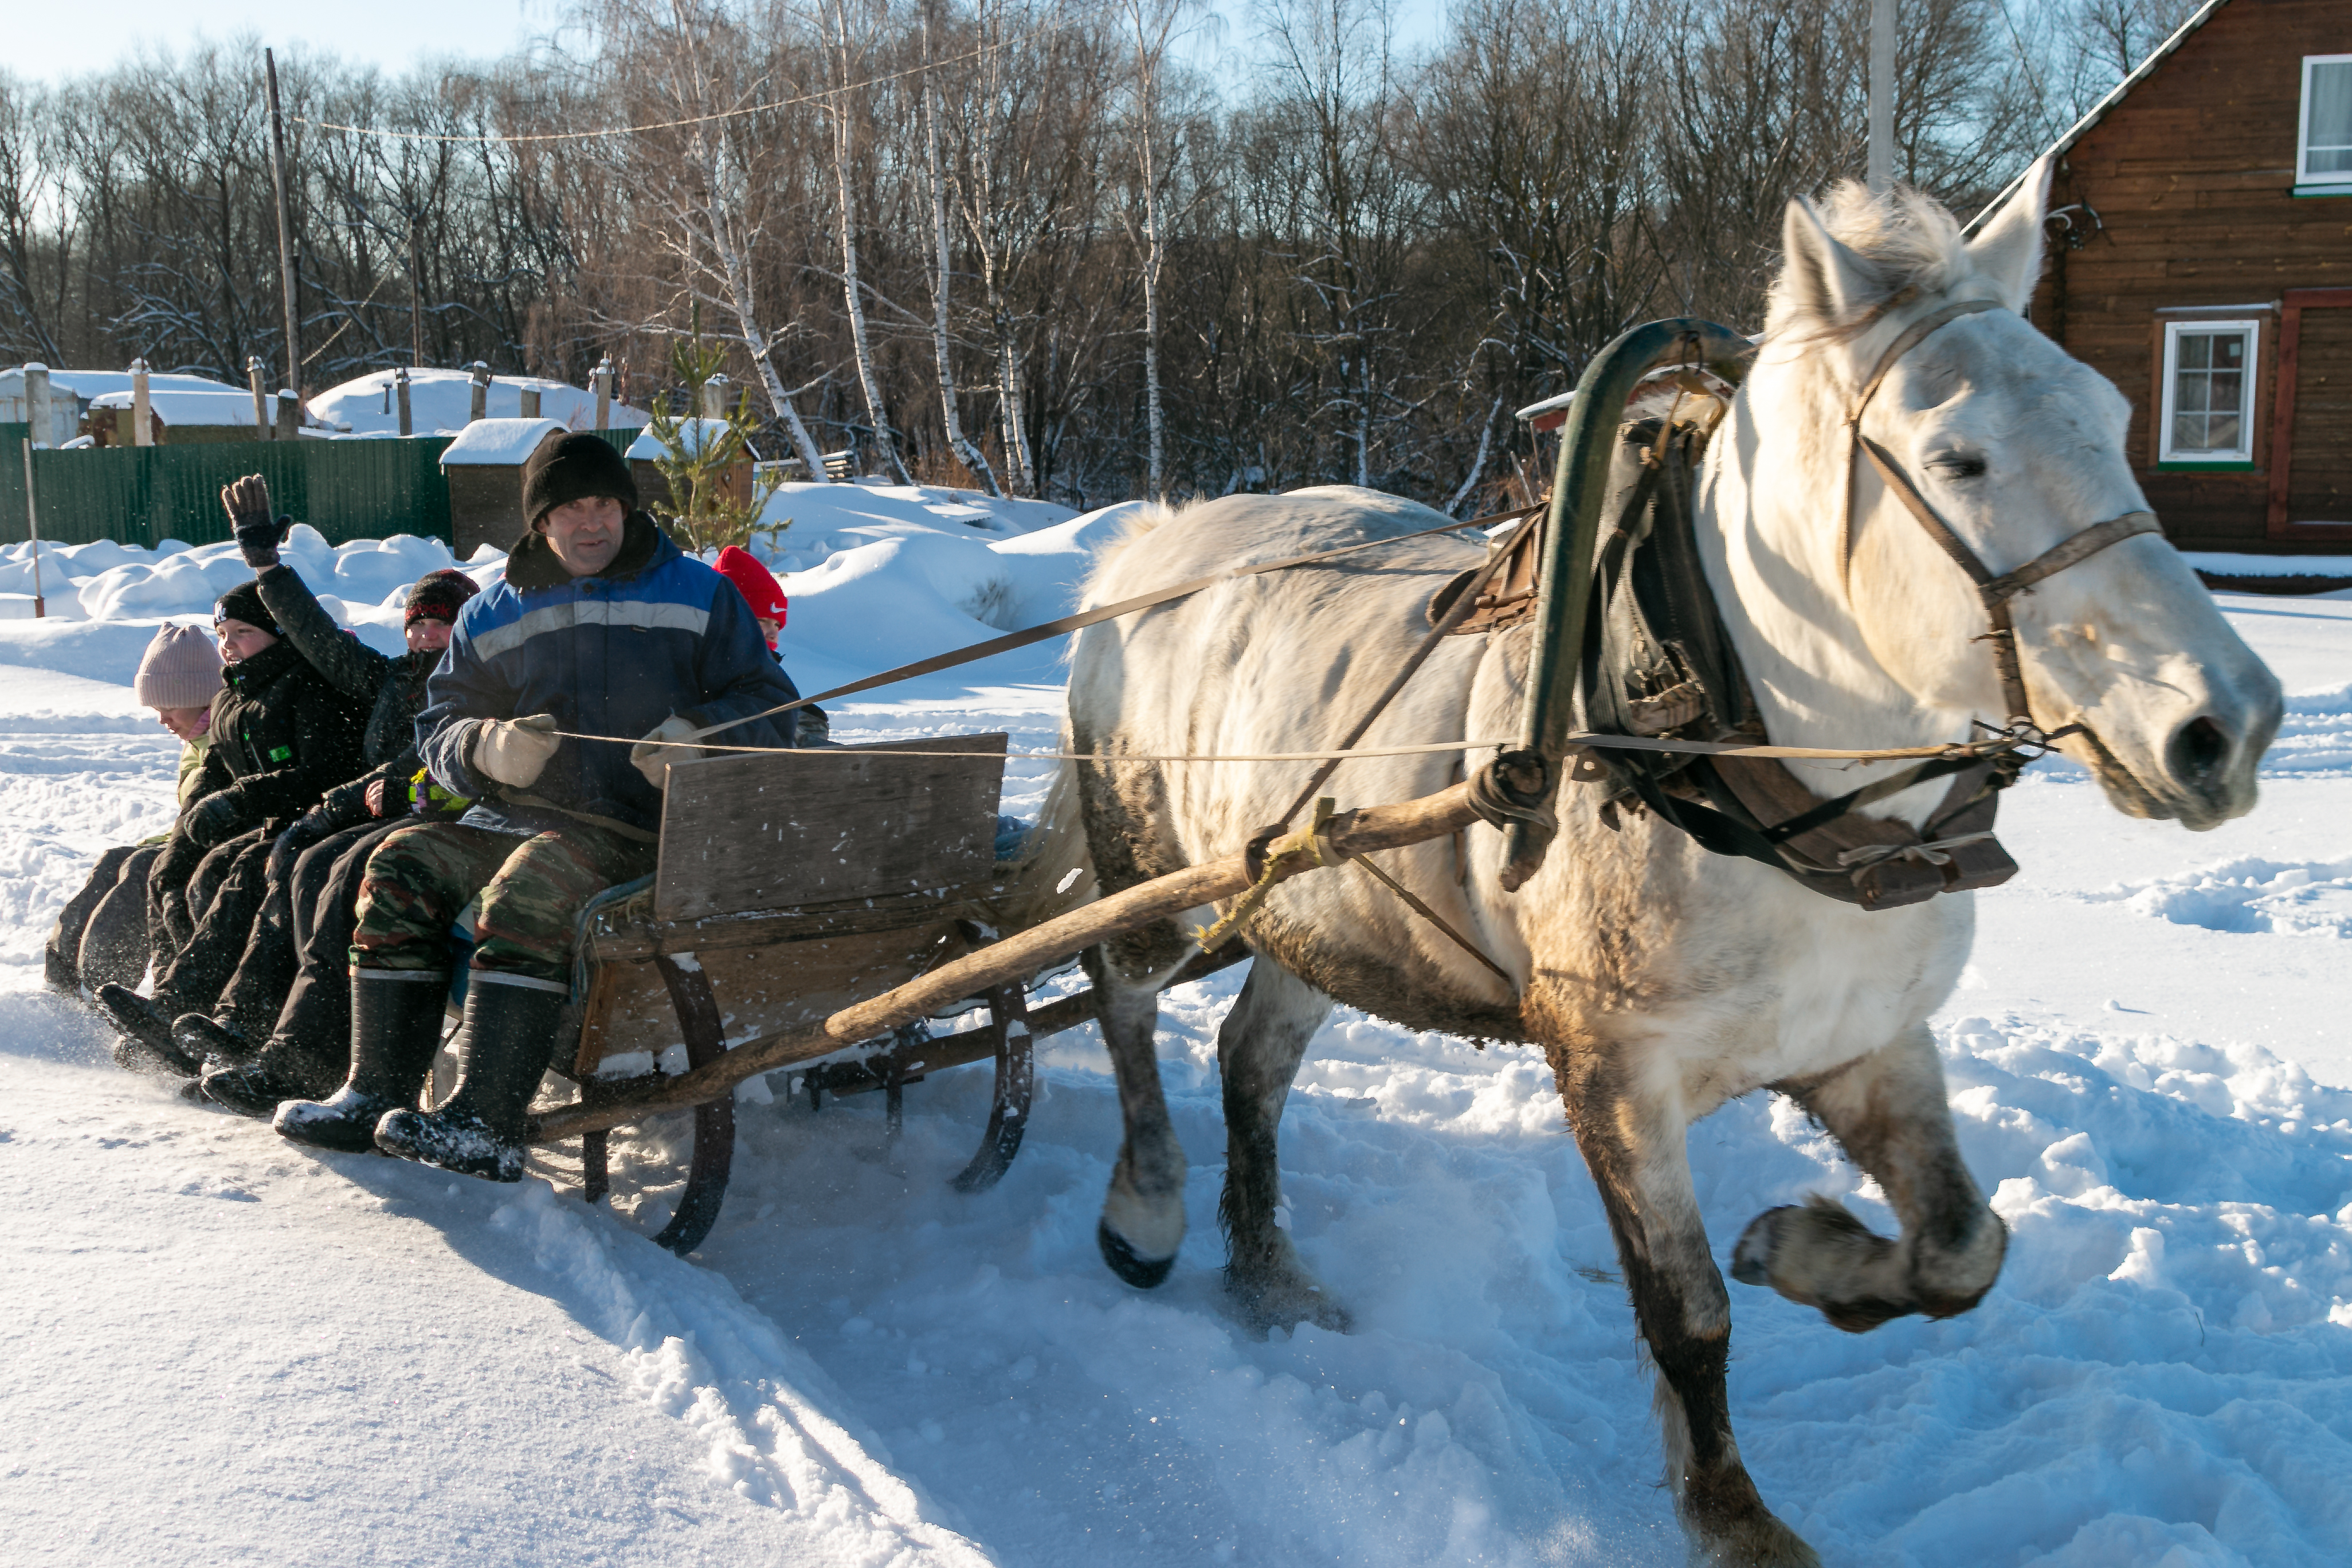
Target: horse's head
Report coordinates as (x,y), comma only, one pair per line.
(2016,447)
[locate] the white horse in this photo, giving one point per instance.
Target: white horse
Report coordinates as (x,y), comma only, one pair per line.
(1660,980)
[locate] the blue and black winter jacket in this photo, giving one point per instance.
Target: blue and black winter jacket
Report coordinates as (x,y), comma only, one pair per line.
(654,633)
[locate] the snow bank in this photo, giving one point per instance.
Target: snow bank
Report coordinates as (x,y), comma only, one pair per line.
(440,401)
(877,574)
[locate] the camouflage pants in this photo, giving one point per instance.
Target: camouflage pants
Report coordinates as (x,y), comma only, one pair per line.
(424,873)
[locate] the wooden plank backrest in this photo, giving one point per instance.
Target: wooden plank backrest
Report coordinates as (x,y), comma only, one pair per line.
(769,830)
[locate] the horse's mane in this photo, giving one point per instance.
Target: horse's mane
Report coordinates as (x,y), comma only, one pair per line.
(1908,238)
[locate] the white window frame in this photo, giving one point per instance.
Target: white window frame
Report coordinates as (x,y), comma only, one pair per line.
(2252,328)
(2303,172)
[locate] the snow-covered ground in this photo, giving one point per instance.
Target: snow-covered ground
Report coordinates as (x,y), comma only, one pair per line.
(226,1349)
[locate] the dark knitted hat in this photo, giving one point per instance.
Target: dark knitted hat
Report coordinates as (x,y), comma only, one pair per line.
(243,603)
(566,467)
(438,596)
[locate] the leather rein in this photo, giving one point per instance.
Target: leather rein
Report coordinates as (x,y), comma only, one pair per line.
(1995,589)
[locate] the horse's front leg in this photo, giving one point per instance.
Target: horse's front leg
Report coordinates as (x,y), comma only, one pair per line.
(1259,1047)
(1889,1112)
(1143,1213)
(1628,1121)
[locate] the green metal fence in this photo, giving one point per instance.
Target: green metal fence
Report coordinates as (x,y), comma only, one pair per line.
(144,495)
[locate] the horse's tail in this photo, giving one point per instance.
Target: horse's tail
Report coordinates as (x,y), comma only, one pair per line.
(1056,873)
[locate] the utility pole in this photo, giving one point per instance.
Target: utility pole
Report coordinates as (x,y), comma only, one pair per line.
(285,229)
(1881,173)
(416,292)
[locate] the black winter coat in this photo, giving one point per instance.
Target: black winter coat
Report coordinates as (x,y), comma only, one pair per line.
(395,686)
(282,736)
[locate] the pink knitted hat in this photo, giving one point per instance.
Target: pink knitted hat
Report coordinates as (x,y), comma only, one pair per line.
(181,669)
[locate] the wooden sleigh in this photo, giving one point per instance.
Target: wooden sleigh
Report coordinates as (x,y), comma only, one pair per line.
(822,905)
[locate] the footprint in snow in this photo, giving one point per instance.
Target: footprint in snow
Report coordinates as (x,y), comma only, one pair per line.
(2249,896)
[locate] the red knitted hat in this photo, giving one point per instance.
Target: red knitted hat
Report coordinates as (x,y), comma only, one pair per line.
(754,582)
(438,596)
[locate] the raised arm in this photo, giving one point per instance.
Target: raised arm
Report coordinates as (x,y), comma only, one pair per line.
(349,664)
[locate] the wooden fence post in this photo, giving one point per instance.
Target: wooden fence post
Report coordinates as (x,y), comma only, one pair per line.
(601,378)
(260,396)
(142,407)
(33,532)
(37,405)
(479,407)
(400,390)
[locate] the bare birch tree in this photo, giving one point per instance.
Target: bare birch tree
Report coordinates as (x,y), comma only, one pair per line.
(967,451)
(876,412)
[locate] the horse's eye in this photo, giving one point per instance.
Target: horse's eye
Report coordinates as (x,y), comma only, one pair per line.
(1957,465)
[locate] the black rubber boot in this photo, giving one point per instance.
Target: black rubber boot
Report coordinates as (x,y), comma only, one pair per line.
(146,1044)
(479,1132)
(395,1030)
(215,1042)
(281,1073)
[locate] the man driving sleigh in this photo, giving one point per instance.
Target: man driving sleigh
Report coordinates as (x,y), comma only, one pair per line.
(567,690)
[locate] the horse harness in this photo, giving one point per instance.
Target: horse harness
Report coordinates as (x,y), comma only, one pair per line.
(1996,591)
(1658,664)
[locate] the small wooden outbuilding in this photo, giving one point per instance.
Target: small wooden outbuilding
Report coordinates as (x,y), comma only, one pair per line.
(2200,224)
(484,468)
(653,487)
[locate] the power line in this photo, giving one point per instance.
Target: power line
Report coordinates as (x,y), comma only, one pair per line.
(662,125)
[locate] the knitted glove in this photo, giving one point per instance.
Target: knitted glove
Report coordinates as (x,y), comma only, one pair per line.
(654,761)
(258,533)
(515,751)
(216,819)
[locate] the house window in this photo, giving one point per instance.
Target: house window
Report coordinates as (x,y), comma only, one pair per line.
(2208,392)
(2325,146)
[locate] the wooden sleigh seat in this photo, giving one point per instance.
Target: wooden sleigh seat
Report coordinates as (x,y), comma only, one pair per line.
(787,887)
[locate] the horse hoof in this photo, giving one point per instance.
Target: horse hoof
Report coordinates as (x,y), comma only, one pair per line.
(1287,1305)
(1751,1260)
(1143,1273)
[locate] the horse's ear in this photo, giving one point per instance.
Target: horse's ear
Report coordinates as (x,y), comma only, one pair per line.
(1822,278)
(2008,249)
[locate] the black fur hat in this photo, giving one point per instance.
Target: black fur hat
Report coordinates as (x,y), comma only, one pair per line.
(243,603)
(566,467)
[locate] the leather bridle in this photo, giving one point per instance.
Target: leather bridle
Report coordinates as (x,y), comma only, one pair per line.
(1995,589)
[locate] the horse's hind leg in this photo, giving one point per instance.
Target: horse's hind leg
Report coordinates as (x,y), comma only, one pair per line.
(1890,1113)
(1143,1213)
(1630,1131)
(1258,1050)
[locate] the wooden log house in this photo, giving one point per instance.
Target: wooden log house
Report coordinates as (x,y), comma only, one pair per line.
(2200,223)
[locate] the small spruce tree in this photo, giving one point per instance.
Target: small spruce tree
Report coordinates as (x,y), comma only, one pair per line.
(698,450)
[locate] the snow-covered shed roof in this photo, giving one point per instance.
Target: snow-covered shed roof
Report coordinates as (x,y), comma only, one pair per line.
(227,407)
(91,384)
(440,401)
(691,434)
(487,442)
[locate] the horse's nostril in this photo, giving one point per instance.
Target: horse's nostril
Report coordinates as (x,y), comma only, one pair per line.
(2199,750)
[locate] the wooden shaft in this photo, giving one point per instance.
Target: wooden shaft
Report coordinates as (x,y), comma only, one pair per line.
(1019,956)
(1015,958)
